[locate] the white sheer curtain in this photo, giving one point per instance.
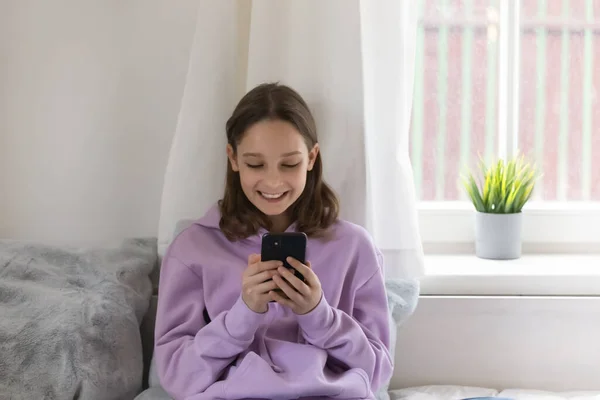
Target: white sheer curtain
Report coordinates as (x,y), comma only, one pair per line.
(353,62)
(389,31)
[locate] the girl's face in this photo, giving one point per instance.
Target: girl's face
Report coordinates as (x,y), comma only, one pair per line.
(272,160)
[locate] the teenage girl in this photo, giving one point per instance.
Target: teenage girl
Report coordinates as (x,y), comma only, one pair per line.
(230,326)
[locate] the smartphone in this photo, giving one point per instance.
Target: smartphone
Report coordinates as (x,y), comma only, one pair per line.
(279,246)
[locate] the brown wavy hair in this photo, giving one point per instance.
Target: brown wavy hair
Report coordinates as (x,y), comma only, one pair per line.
(317,208)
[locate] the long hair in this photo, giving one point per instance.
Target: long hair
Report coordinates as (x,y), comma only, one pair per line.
(317,208)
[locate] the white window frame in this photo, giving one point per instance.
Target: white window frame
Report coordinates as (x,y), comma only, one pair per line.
(548,227)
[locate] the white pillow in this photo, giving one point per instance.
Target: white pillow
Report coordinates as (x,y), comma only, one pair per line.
(441,392)
(522,394)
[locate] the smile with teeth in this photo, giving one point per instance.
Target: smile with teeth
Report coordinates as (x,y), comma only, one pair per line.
(272,196)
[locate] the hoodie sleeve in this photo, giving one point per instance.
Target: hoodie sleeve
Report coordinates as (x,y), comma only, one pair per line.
(190,355)
(360,340)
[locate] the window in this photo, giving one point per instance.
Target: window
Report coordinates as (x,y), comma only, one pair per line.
(496,77)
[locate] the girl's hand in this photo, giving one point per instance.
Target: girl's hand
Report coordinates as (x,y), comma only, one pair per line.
(257,283)
(302,297)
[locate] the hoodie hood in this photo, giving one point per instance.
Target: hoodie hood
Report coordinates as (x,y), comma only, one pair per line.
(211,218)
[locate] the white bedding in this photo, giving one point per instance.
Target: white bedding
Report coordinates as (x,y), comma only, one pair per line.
(447,392)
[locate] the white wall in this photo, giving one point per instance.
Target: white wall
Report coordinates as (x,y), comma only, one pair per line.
(546,343)
(89,97)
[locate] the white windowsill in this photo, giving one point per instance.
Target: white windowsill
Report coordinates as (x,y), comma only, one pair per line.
(531,275)
(548,227)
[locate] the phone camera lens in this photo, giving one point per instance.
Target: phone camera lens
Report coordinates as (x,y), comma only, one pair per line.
(276,243)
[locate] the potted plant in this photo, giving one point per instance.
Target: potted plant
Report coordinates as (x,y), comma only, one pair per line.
(505,187)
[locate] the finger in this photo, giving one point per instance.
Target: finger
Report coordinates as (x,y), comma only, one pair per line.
(253,258)
(263,266)
(306,271)
(265,298)
(269,265)
(266,265)
(253,280)
(265,287)
(294,281)
(287,289)
(282,300)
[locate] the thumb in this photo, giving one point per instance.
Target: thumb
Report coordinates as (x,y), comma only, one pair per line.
(253,258)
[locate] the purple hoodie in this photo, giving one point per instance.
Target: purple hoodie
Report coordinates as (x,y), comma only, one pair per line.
(340,350)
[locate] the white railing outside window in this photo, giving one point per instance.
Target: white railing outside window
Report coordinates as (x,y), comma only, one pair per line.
(497,77)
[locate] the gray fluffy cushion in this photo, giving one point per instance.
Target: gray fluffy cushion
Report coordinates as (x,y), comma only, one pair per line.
(70,317)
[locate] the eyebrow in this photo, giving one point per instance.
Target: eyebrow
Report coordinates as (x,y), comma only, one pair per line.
(291,153)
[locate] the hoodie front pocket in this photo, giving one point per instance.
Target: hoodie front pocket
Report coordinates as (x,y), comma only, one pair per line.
(242,383)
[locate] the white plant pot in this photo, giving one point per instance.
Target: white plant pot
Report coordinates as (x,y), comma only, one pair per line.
(498,236)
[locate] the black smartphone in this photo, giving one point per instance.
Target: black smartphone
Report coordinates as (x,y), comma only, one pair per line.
(279,246)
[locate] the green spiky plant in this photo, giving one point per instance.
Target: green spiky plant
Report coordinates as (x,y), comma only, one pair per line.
(505,186)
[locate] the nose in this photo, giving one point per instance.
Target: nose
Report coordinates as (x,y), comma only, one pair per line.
(273,178)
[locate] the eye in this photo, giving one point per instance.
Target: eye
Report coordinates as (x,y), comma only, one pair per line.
(291,165)
(254,166)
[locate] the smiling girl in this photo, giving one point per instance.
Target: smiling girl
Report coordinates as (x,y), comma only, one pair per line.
(230,326)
